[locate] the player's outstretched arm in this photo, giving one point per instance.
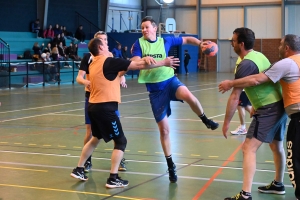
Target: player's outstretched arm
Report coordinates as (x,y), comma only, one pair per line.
(247,81)
(144,64)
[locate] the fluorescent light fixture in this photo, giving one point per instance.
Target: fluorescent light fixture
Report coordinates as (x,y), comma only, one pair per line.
(168,1)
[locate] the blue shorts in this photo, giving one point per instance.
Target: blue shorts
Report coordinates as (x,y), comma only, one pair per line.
(160,100)
(244,101)
(86,116)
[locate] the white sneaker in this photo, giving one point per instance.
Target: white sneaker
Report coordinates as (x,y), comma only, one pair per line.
(239,131)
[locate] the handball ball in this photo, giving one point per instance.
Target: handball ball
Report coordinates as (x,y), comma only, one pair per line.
(210,48)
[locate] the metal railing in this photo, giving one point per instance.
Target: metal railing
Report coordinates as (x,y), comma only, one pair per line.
(4,63)
(22,73)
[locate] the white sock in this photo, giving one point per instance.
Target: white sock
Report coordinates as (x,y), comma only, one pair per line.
(243,126)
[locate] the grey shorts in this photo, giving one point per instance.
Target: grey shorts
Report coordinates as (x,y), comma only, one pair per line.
(268,123)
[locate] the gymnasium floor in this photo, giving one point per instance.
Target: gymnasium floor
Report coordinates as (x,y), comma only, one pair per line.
(42,132)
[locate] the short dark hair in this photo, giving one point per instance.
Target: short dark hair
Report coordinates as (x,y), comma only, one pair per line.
(293,41)
(93,46)
(150,19)
(245,35)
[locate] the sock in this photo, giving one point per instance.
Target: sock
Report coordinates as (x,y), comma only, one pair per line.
(246,195)
(203,118)
(277,184)
(80,168)
(89,159)
(114,176)
(243,126)
(169,161)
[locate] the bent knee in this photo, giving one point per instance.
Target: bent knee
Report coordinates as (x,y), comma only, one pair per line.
(120,143)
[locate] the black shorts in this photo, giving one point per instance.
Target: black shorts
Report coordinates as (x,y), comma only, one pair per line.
(244,101)
(105,122)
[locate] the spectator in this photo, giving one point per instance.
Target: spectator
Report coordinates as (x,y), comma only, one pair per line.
(45,67)
(37,50)
(54,53)
(125,53)
(69,35)
(47,49)
(55,57)
(71,52)
(80,35)
(56,40)
(187,58)
(35,27)
(117,51)
(63,40)
(57,30)
(49,33)
(63,55)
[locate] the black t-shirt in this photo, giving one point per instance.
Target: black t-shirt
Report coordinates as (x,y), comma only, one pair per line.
(111,66)
(187,57)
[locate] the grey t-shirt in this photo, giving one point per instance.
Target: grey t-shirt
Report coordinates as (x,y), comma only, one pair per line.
(287,70)
(246,68)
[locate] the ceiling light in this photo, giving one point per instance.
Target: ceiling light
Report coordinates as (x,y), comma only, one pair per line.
(168,1)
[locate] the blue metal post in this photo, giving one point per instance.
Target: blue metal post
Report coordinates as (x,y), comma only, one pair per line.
(137,21)
(112,21)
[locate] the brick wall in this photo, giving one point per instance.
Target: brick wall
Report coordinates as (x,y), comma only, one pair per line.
(269,47)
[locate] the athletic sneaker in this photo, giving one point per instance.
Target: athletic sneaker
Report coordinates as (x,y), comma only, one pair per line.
(210,124)
(79,174)
(87,166)
(122,166)
(116,183)
(272,189)
(172,174)
(239,131)
(238,196)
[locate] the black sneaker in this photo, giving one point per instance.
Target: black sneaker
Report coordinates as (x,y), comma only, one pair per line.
(87,166)
(210,124)
(122,166)
(79,174)
(272,189)
(172,174)
(238,196)
(116,183)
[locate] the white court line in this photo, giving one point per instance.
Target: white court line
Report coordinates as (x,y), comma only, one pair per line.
(135,161)
(25,109)
(74,110)
(33,108)
(140,173)
(8,120)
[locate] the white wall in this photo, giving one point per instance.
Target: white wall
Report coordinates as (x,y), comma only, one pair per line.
(264,21)
(292,19)
(209,17)
(230,19)
(186,20)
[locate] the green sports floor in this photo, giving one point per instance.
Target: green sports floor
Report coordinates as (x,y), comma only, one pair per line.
(41,137)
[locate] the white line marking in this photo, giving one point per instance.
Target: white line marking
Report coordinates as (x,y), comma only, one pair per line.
(135,173)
